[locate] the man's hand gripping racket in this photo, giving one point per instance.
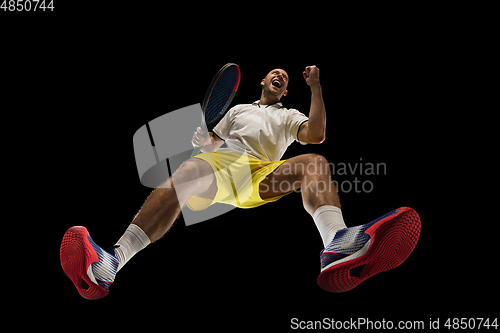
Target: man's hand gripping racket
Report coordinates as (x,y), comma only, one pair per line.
(200,140)
(215,104)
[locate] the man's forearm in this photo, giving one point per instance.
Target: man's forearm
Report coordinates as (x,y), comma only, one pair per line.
(317,114)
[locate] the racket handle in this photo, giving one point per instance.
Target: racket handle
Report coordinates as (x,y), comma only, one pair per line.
(196,151)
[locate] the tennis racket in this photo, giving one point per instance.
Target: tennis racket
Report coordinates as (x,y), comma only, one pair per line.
(219,95)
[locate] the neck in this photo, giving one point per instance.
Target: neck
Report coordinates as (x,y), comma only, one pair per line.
(266,99)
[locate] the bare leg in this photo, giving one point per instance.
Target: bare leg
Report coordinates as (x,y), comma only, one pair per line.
(164,204)
(311,173)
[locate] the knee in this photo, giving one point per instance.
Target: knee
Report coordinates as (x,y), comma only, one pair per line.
(322,161)
(194,171)
(317,165)
(189,168)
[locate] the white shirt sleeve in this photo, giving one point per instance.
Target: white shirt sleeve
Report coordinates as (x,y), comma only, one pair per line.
(224,126)
(295,119)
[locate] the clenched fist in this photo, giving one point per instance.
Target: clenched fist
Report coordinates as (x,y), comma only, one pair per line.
(311,74)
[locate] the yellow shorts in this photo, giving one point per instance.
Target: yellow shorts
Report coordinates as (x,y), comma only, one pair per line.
(238,178)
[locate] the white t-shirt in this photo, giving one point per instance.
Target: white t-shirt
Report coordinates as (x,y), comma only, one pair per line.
(263,131)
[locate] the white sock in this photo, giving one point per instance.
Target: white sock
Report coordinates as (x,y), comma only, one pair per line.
(329,220)
(133,240)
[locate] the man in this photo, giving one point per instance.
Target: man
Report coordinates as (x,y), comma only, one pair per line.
(249,173)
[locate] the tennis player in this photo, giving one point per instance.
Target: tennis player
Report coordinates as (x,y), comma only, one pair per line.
(248,173)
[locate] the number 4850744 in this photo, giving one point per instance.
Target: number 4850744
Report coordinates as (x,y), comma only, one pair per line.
(470,323)
(26,5)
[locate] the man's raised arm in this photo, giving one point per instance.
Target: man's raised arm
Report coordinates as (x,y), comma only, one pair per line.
(313,131)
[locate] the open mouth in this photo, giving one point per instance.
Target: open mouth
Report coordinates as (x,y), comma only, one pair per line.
(277,83)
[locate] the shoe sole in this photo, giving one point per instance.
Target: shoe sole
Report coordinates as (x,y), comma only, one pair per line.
(77,254)
(392,239)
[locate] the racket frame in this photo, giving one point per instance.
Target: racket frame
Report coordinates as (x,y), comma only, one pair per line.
(210,126)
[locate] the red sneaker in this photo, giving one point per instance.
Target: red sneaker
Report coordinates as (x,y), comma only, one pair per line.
(91,269)
(357,253)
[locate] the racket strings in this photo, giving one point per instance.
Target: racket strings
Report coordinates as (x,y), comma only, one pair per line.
(220,94)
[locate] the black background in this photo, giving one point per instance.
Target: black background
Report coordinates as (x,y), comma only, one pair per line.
(95,79)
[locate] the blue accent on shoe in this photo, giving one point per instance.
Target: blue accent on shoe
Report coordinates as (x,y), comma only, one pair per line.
(348,241)
(105,269)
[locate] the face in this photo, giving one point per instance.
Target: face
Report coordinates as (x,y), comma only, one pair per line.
(276,82)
